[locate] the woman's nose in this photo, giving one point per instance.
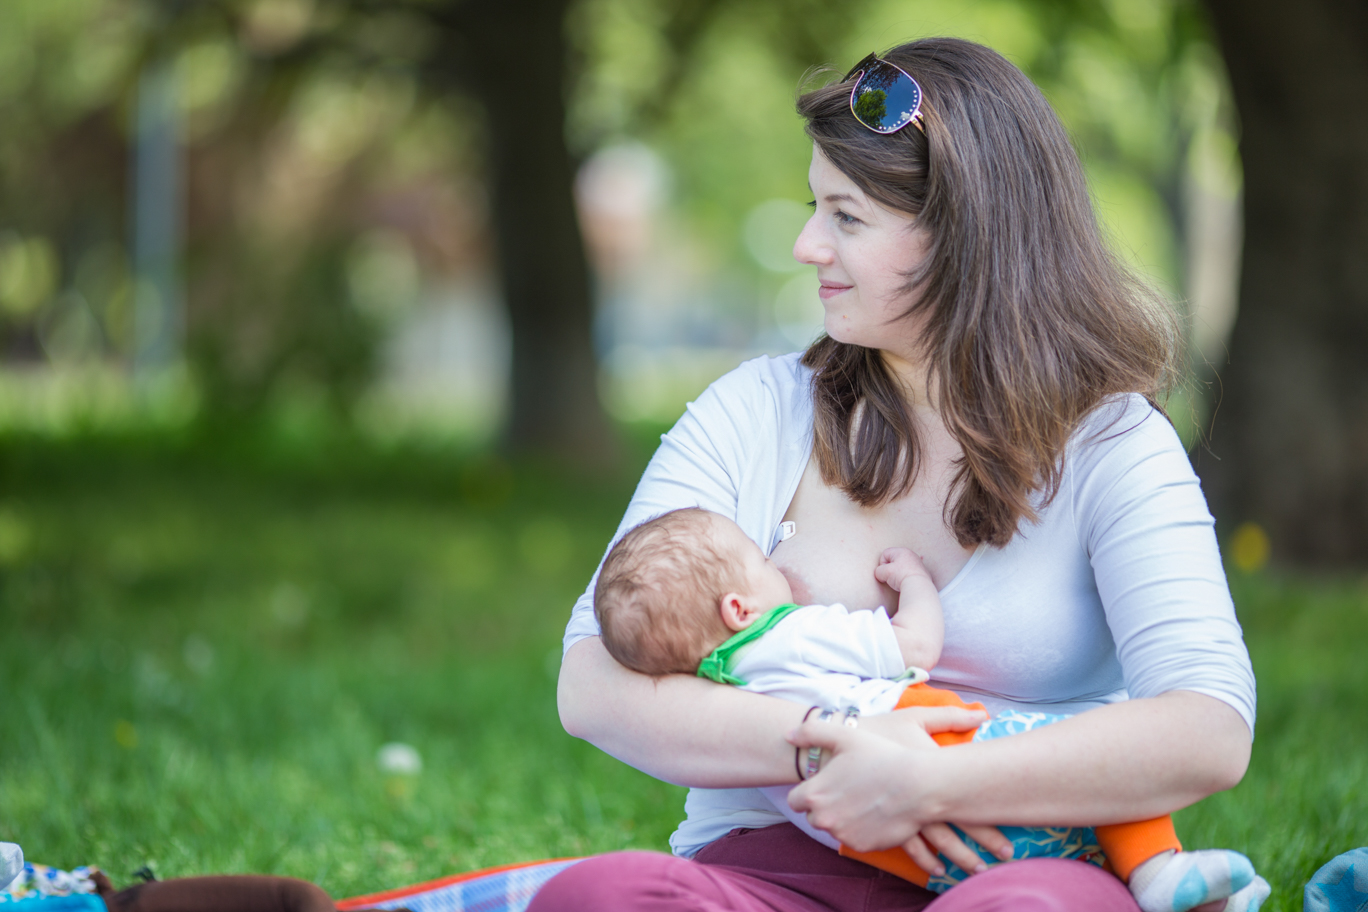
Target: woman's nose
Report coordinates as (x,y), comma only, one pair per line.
(810,249)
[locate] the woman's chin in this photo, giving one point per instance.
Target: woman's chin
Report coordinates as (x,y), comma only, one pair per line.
(842,332)
(837,328)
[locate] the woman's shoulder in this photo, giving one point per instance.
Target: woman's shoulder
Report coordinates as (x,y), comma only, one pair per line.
(1126,449)
(783,377)
(764,393)
(1127,423)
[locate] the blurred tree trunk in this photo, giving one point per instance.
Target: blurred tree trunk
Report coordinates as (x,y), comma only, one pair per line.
(515,63)
(1290,434)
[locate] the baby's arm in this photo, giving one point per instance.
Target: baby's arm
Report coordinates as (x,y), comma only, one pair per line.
(919,624)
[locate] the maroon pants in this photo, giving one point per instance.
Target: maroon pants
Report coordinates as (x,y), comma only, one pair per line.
(780,869)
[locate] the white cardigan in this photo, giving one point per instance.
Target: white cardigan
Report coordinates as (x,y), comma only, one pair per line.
(1117,591)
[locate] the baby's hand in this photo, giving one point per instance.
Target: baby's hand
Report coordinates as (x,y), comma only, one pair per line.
(897,565)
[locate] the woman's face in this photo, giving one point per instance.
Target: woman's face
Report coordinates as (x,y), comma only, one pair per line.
(863,253)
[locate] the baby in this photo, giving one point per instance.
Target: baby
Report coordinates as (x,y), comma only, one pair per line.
(690,592)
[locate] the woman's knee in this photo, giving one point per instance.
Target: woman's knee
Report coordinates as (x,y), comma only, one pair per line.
(625,881)
(1038,885)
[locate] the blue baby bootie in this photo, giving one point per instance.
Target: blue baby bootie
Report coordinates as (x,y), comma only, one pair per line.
(1340,886)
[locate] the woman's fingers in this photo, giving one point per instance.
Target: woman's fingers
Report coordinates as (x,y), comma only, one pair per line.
(947,842)
(860,803)
(990,838)
(910,727)
(825,735)
(948,718)
(925,858)
(866,794)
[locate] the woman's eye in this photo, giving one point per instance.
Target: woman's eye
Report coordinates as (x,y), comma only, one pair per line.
(844,219)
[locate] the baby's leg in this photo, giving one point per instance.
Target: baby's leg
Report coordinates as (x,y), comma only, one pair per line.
(1145,854)
(1176,881)
(1129,845)
(1162,877)
(1148,857)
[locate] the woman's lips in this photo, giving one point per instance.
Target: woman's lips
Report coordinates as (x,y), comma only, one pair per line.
(831,290)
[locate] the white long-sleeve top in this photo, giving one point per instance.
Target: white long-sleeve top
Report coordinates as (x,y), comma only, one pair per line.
(1117,591)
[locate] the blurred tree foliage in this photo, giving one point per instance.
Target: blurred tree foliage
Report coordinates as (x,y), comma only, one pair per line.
(324,138)
(341,151)
(305,155)
(1137,82)
(63,71)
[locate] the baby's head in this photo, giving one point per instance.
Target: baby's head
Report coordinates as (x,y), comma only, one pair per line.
(676,587)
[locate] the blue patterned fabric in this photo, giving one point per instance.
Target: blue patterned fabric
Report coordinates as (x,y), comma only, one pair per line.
(501,891)
(1027,842)
(38,881)
(75,902)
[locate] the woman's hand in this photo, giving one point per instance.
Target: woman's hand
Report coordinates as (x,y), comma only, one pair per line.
(870,794)
(914,726)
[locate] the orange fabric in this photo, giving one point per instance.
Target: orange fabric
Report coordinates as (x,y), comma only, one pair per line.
(1126,845)
(894,861)
(926,695)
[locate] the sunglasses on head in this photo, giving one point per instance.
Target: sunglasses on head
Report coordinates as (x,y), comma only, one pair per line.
(885,99)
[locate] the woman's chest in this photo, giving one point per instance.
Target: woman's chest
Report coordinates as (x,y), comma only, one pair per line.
(836,543)
(1026,623)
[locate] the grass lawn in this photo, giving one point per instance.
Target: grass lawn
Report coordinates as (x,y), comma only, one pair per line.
(204,649)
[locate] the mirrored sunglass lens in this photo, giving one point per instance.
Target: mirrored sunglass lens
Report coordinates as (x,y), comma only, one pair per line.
(885,98)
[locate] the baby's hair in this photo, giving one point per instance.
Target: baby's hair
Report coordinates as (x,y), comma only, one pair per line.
(659,589)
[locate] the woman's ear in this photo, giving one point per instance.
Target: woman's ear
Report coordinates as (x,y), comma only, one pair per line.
(738,611)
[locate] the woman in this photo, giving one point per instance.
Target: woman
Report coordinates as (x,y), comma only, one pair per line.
(982,396)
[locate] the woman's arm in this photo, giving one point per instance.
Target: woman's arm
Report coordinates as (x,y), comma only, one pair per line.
(681,729)
(1126,761)
(693,732)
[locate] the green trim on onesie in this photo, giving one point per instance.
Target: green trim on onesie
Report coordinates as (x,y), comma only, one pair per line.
(719,664)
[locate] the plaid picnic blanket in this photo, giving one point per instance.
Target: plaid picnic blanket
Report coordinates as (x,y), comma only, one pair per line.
(504,889)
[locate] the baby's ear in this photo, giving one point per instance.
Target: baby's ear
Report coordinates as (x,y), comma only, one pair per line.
(736,611)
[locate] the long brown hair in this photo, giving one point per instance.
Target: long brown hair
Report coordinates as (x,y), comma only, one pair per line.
(1031,321)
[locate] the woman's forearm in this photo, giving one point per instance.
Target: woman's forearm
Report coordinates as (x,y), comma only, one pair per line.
(676,728)
(1127,761)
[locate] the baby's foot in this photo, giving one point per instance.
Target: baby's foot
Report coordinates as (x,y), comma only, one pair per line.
(1178,881)
(1248,899)
(11,863)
